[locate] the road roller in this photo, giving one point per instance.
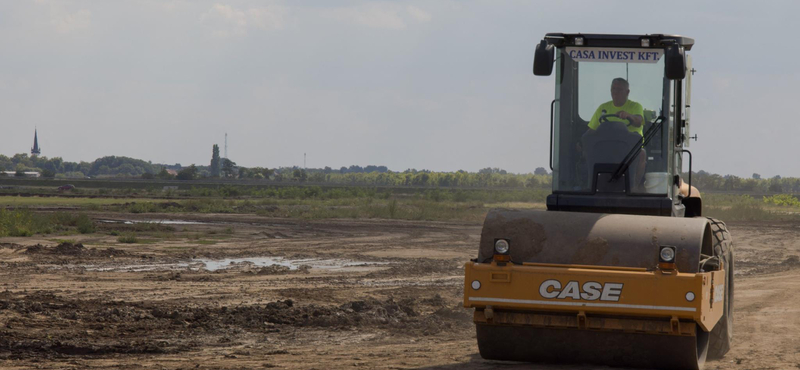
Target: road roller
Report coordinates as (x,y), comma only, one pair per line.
(622,269)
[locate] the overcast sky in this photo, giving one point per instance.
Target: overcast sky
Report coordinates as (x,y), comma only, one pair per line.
(440,85)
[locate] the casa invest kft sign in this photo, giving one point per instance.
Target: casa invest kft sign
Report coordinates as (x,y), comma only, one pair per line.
(618,55)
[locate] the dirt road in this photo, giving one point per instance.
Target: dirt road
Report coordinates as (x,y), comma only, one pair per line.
(244,292)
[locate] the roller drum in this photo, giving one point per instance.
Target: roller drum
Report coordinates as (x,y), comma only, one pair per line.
(574,346)
(574,238)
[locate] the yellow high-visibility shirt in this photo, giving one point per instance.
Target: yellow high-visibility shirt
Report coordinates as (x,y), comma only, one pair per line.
(630,107)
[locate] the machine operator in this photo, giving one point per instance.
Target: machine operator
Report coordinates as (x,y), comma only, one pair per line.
(620,107)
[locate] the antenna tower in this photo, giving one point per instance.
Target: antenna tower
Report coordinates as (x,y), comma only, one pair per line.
(226,145)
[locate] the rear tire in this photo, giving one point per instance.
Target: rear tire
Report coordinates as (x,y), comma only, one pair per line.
(722,334)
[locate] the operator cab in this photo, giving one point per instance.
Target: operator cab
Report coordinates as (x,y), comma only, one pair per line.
(618,121)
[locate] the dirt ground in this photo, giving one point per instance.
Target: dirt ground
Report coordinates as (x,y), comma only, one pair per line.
(365,294)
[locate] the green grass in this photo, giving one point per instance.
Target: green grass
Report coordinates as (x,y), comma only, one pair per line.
(314,202)
(412,209)
(128,239)
(24,222)
(305,202)
(34,201)
(729,207)
(84,224)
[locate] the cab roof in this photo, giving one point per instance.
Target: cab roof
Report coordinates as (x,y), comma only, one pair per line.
(624,41)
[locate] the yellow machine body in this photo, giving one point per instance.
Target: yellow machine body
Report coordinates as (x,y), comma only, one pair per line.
(594,297)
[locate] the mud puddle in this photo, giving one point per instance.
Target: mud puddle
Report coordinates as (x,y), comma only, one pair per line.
(435,282)
(163,222)
(313,263)
(240,263)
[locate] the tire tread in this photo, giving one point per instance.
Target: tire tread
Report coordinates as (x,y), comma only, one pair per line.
(722,334)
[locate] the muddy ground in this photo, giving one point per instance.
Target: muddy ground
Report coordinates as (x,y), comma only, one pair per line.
(322,295)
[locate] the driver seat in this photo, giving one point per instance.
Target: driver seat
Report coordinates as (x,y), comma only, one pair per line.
(607,146)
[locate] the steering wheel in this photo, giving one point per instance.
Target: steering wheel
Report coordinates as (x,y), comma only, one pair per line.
(604,119)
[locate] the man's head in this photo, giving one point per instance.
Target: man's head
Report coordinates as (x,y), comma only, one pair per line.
(619,91)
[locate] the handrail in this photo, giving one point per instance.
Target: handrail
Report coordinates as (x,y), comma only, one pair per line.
(552,106)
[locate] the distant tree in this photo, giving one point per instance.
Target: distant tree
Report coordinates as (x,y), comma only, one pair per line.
(48,173)
(228,167)
(756,176)
(164,174)
(74,175)
(113,165)
(299,175)
(148,176)
(188,173)
(53,164)
(372,168)
(85,168)
(317,177)
(255,173)
(5,163)
(540,171)
(20,158)
(512,182)
(126,169)
(214,167)
(490,170)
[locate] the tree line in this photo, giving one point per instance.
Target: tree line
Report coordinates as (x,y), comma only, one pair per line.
(372,175)
(53,167)
(706,181)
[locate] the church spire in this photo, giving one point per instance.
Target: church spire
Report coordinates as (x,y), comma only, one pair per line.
(35,150)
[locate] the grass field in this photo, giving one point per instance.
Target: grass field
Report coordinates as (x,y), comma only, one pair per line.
(19,216)
(34,201)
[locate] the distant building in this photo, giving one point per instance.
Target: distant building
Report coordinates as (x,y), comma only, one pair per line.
(35,150)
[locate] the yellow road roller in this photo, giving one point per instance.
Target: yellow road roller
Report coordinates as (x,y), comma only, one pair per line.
(622,269)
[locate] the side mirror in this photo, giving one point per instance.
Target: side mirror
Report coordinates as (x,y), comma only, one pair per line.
(543,59)
(675,63)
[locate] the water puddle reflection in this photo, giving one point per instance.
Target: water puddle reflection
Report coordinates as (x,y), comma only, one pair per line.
(239,263)
(314,263)
(163,222)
